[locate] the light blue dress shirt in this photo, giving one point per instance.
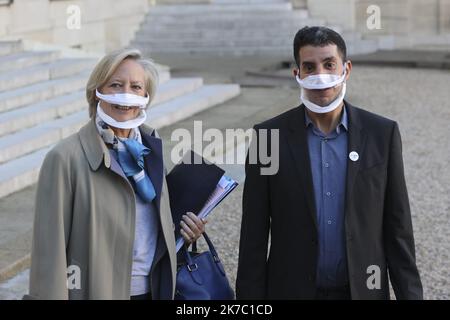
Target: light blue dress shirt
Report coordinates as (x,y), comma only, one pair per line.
(328,156)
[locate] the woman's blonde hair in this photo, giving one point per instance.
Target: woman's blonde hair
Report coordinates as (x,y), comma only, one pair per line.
(108,65)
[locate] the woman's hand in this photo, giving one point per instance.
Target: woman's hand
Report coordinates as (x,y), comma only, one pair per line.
(192,227)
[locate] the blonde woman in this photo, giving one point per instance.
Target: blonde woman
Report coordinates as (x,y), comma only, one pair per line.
(103,227)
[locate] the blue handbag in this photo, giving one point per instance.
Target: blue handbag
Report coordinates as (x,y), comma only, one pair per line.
(202,276)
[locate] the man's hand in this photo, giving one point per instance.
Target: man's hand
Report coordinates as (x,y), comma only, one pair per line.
(192,227)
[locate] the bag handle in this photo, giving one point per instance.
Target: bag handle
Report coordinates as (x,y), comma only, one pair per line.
(193,266)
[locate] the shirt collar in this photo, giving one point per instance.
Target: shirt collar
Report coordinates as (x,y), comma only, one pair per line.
(344,120)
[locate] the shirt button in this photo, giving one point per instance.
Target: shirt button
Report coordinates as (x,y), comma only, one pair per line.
(329,221)
(328,193)
(327,165)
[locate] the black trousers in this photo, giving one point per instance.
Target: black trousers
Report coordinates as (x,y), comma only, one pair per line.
(338,293)
(146,296)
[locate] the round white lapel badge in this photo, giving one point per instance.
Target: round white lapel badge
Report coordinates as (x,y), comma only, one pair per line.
(354,156)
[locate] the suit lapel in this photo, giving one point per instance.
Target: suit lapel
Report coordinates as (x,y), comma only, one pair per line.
(356,142)
(154,163)
(298,144)
(155,168)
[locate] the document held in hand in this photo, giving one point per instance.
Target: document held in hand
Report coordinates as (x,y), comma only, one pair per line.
(197,186)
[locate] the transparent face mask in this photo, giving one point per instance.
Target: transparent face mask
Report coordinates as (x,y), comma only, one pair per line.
(124,99)
(129,124)
(322,81)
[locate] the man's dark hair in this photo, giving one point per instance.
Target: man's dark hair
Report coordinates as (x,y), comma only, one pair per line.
(318,37)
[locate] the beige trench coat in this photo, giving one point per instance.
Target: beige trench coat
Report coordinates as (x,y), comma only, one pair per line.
(85,223)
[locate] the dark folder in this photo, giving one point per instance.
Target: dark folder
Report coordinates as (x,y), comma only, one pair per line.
(190,184)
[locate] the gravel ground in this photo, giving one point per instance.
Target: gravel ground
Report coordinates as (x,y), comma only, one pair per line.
(418,100)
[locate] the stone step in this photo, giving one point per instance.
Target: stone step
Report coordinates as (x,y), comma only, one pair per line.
(181,108)
(23,171)
(229,49)
(217,43)
(222,34)
(175,88)
(69,66)
(164,75)
(179,28)
(227,35)
(362,46)
(19,144)
(283,50)
(189,9)
(353,48)
(40,112)
(41,91)
(10,47)
(224,27)
(61,68)
(60,106)
(234,28)
(153,18)
(47,89)
(26,59)
(283,39)
(41,120)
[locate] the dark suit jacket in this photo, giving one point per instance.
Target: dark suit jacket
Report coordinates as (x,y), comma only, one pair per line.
(378,228)
(160,273)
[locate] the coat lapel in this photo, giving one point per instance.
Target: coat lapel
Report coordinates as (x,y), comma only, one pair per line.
(298,144)
(155,168)
(94,148)
(115,166)
(356,142)
(154,161)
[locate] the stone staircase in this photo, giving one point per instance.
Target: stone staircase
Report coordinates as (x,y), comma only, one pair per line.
(42,100)
(232,26)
